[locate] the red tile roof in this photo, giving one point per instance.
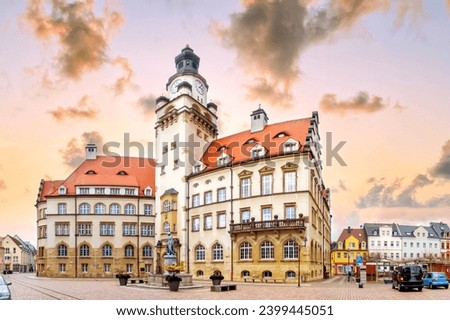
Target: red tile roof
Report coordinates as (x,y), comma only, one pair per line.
(238,145)
(359,234)
(105,171)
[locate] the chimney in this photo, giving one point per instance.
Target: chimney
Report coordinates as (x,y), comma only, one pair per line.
(91,151)
(259,120)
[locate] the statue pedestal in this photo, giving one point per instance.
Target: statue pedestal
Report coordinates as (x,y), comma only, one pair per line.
(170,260)
(159,280)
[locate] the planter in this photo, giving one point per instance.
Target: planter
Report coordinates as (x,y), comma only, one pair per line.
(216,279)
(123,279)
(216,282)
(174,285)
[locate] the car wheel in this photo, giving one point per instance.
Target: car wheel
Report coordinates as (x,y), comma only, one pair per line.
(420,289)
(446,287)
(400,288)
(430,286)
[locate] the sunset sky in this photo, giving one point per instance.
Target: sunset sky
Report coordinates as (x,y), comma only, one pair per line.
(377,71)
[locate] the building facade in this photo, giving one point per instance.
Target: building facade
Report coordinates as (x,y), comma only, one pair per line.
(250,204)
(17,255)
(351,244)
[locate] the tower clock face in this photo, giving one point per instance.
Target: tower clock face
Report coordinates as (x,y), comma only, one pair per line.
(174,86)
(200,87)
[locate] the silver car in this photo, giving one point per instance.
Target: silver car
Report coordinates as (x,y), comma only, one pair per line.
(5,293)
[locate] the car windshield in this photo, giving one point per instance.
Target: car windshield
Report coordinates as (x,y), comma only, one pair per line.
(440,275)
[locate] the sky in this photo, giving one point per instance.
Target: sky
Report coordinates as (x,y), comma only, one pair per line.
(377,71)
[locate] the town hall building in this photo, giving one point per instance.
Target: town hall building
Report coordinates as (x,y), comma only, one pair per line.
(249,205)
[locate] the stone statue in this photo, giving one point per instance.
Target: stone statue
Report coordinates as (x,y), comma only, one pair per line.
(170,251)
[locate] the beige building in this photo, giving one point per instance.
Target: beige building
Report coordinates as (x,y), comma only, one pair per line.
(16,255)
(252,204)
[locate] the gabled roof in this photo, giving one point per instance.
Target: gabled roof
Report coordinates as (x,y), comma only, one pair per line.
(359,234)
(407,231)
(238,145)
(439,228)
(105,171)
(371,227)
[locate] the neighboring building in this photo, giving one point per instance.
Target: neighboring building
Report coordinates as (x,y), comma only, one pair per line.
(18,255)
(2,253)
(394,243)
(442,230)
(242,204)
(99,221)
(350,244)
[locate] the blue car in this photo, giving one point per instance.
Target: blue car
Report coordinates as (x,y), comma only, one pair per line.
(435,279)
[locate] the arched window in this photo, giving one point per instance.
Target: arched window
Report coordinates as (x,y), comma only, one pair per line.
(107,251)
(267,251)
(290,250)
(200,253)
(114,208)
(99,208)
(166,206)
(245,273)
(85,208)
(290,274)
(62,250)
(245,251)
(148,209)
(84,250)
(129,251)
(200,273)
(146,251)
(217,252)
(267,274)
(130,209)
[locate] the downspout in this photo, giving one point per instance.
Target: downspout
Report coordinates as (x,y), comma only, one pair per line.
(188,246)
(232,219)
(76,234)
(138,236)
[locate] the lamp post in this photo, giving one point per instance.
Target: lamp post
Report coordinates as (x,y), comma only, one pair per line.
(299,255)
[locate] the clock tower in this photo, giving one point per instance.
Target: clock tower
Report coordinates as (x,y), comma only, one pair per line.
(185,125)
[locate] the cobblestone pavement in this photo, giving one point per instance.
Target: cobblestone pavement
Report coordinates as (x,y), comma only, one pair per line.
(29,287)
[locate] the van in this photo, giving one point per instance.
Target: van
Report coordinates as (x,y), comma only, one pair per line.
(408,276)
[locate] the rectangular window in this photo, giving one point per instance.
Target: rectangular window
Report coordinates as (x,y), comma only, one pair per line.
(221,220)
(266,184)
(208,222)
(106,229)
(107,268)
(130,192)
(84,190)
(290,181)
(195,224)
(62,208)
(99,190)
(147,230)
(266,214)
(114,190)
(221,194)
(195,200)
(129,268)
(245,216)
(289,212)
(62,267)
(148,209)
(245,187)
(129,229)
(208,197)
(62,229)
(84,267)
(85,229)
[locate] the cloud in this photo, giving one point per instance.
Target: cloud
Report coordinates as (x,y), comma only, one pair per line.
(392,195)
(270,36)
(147,104)
(80,111)
(82,37)
(74,153)
(2,184)
(126,79)
(442,168)
(360,103)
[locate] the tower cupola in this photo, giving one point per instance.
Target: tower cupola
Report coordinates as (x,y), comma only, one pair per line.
(187,61)
(259,120)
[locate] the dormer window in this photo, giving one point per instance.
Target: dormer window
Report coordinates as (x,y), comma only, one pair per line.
(62,190)
(374,232)
(148,192)
(223,160)
(258,152)
(290,145)
(91,172)
(250,141)
(122,173)
(222,148)
(280,135)
(198,167)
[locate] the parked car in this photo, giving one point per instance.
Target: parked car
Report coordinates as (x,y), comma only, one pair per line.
(5,293)
(435,279)
(408,277)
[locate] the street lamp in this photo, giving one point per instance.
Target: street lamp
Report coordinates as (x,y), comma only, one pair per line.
(299,255)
